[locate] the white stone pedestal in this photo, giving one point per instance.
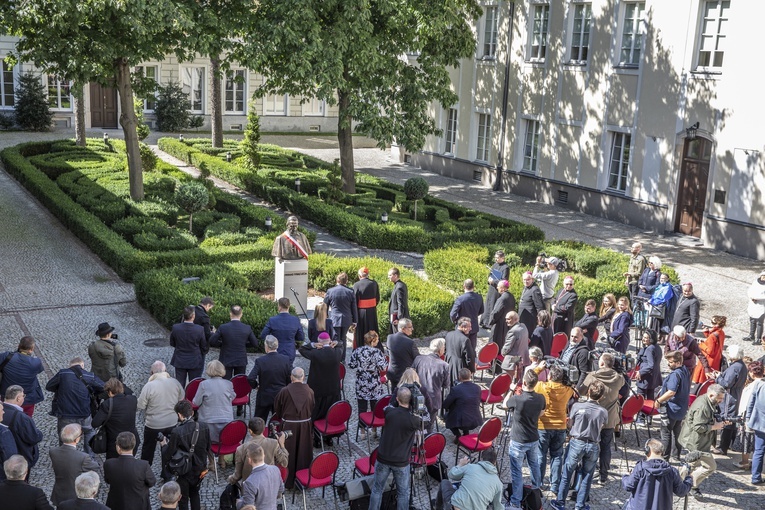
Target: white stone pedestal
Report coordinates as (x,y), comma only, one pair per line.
(292,274)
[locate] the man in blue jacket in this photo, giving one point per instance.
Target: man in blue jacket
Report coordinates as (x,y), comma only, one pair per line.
(233,339)
(23,427)
(342,308)
(470,305)
(653,481)
(286,328)
(190,347)
(7,443)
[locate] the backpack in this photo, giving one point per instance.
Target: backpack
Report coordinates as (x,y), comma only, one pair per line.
(229,496)
(531,500)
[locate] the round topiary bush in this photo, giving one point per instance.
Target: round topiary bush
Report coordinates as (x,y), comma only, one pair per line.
(192,197)
(416,189)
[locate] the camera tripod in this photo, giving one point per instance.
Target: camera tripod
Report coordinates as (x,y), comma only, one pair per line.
(419,461)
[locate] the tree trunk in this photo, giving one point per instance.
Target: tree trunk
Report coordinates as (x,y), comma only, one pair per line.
(216,119)
(345,140)
(129,123)
(79,115)
(415,210)
(191,231)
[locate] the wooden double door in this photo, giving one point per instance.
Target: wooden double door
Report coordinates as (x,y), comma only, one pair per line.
(103,106)
(692,193)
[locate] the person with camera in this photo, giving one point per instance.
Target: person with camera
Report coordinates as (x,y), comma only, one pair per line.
(472,486)
(698,435)
(546,273)
(463,406)
(394,452)
(653,481)
(186,451)
(274,451)
(733,380)
(577,354)
(527,408)
(586,421)
(552,424)
(672,402)
(106,355)
(612,381)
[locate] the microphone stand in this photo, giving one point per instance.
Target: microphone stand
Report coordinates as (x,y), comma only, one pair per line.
(297,300)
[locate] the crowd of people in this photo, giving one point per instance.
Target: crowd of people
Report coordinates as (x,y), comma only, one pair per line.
(563,405)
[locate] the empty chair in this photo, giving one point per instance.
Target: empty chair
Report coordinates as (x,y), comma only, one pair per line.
(486,357)
(243,390)
(231,436)
(481,440)
(320,473)
(365,466)
(632,406)
(374,418)
(496,392)
(336,422)
(433,446)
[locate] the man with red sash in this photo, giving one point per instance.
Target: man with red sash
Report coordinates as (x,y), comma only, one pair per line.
(367,294)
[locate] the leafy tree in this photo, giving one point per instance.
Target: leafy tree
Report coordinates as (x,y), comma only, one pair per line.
(100,40)
(353,53)
(31,107)
(251,139)
(192,197)
(416,188)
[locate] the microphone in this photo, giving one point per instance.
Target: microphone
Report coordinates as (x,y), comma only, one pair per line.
(293,291)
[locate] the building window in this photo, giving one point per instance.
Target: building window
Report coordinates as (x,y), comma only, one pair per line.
(531,146)
(451,132)
(484,137)
(539,32)
(580,35)
(275,104)
(151,72)
(632,40)
(620,160)
(490,32)
(234,90)
(314,107)
(6,86)
(194,86)
(713,29)
(59,93)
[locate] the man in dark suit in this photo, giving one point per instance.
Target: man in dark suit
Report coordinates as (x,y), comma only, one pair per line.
(402,351)
(503,305)
(500,271)
(463,406)
(563,307)
(86,486)
(323,376)
(68,463)
(531,302)
(398,308)
(470,305)
(201,318)
(129,478)
(286,328)
(233,338)
(459,351)
(270,374)
(180,440)
(190,347)
(342,308)
(169,495)
(17,494)
(434,376)
(24,430)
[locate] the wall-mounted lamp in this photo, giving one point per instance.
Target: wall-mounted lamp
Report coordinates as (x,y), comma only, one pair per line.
(228,157)
(690,132)
(269,223)
(384,217)
(297,184)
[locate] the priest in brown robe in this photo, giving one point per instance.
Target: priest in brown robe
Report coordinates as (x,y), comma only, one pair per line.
(294,404)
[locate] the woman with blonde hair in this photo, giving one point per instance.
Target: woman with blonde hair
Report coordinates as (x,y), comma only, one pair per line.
(411,381)
(712,347)
(214,398)
(607,311)
(620,325)
(320,323)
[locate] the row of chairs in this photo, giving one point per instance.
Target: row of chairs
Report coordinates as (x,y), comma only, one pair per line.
(242,389)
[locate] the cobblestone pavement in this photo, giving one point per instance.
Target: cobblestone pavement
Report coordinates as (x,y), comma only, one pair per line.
(53,288)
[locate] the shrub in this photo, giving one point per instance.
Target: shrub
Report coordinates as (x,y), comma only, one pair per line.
(148,158)
(416,188)
(249,145)
(191,197)
(172,108)
(6,121)
(142,128)
(31,109)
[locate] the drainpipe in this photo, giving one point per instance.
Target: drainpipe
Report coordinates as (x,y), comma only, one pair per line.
(505,92)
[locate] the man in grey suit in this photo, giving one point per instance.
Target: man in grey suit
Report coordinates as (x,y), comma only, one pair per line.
(68,463)
(342,308)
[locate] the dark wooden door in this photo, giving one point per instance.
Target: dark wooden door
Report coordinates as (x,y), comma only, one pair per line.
(692,194)
(103,106)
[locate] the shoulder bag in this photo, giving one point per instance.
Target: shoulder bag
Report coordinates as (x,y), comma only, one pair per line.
(5,362)
(180,463)
(98,442)
(93,397)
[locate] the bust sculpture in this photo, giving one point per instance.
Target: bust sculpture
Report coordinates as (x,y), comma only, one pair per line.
(291,244)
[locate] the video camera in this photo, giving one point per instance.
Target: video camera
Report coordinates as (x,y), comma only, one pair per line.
(623,363)
(570,372)
(560,266)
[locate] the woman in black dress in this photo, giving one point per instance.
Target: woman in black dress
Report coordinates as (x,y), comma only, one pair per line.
(117,414)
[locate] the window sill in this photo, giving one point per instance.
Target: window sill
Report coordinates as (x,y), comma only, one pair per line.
(575,66)
(703,72)
(232,114)
(614,191)
(487,59)
(630,69)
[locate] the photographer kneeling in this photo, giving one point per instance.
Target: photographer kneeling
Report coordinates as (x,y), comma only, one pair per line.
(472,485)
(653,481)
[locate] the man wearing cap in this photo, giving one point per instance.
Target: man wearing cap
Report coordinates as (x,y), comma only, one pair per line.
(469,304)
(367,294)
(500,271)
(106,355)
(323,376)
(547,279)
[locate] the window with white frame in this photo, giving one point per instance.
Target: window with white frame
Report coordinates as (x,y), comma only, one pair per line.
(580,33)
(451,132)
(539,26)
(236,80)
(620,161)
(275,104)
(483,141)
(6,86)
(59,93)
(714,25)
(491,13)
(314,107)
(152,72)
(531,146)
(194,85)
(632,34)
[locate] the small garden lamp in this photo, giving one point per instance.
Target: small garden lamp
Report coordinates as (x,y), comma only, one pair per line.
(180,137)
(297,184)
(268,223)
(384,217)
(106,137)
(228,157)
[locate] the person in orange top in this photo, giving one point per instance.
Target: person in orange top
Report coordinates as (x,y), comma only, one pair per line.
(712,348)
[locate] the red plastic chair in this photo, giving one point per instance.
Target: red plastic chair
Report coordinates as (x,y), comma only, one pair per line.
(595,335)
(484,439)
(191,390)
(704,387)
(320,473)
(342,380)
(372,419)
(632,406)
(496,392)
(231,437)
(433,446)
(365,466)
(384,373)
(336,422)
(486,357)
(649,410)
(283,472)
(560,341)
(243,390)
(691,399)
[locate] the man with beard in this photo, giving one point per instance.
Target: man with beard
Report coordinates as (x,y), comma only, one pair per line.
(531,302)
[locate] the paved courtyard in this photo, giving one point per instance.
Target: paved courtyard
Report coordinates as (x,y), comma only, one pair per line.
(53,288)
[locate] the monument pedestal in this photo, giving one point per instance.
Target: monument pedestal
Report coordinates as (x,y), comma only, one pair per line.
(292,274)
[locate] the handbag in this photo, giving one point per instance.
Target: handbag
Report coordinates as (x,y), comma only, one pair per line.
(98,442)
(5,362)
(180,463)
(657,312)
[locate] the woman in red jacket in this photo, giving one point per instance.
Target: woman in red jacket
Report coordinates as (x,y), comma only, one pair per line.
(712,347)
